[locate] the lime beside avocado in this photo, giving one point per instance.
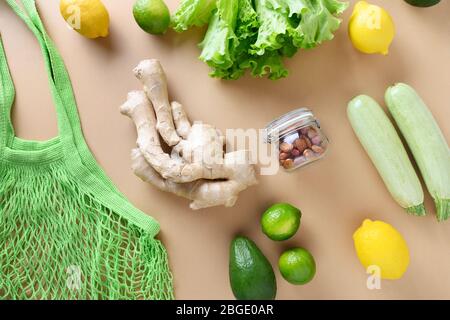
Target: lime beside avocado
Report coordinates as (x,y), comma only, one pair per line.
(297,266)
(423,3)
(281,221)
(152,16)
(251,275)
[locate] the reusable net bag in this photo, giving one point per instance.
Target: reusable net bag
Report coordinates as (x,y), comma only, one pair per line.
(65,231)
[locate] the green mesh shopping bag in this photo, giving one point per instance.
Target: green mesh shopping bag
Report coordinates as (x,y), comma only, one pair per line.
(66,232)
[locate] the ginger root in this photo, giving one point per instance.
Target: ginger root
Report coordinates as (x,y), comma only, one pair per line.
(197,168)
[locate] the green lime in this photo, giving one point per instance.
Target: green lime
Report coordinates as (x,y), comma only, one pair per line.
(297,266)
(152,16)
(423,3)
(281,221)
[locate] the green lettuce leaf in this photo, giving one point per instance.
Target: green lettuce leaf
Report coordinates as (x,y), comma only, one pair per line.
(220,37)
(273,16)
(335,6)
(317,22)
(192,13)
(247,22)
(270,64)
(229,57)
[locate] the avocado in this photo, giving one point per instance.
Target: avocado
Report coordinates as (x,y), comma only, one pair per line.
(251,275)
(423,3)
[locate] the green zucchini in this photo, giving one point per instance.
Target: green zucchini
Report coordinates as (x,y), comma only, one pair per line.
(426,141)
(384,147)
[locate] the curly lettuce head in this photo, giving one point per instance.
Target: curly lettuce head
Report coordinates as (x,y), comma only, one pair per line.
(256,35)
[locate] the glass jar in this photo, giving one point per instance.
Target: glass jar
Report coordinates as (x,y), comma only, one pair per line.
(299,137)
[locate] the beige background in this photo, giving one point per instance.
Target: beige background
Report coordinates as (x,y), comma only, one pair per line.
(335,194)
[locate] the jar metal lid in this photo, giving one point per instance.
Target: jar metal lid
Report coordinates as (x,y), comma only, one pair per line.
(288,122)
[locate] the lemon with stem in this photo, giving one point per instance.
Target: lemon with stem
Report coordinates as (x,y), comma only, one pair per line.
(380,245)
(89,18)
(371,28)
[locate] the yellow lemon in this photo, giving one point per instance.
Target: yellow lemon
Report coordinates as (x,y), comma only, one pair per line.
(371,28)
(379,245)
(88,17)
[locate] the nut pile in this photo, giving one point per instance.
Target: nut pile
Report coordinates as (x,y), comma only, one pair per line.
(300,147)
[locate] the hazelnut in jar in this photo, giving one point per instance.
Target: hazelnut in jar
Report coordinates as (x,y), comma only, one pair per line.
(299,137)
